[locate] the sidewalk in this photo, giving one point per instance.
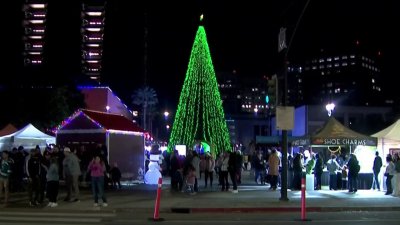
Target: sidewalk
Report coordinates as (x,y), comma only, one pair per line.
(251,198)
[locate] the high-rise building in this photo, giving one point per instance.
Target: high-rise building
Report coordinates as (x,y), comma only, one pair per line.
(93,17)
(34,31)
(242,94)
(348,78)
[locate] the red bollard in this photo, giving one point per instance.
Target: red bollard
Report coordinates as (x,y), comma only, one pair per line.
(303,197)
(156,216)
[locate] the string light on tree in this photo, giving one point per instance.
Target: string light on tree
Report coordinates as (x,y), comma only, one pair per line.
(200,114)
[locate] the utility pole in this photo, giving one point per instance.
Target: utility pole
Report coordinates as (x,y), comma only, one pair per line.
(283,47)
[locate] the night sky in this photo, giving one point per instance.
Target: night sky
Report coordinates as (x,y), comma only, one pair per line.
(242,36)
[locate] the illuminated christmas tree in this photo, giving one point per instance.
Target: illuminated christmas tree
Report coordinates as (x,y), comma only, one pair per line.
(200,115)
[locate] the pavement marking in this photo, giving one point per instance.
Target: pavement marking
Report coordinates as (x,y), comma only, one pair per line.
(50,219)
(8,213)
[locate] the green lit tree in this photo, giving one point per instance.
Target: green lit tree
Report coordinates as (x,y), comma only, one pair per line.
(200,115)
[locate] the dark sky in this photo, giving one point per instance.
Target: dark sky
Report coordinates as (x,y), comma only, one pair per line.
(242,35)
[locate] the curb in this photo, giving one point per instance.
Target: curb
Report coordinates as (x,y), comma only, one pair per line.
(281,209)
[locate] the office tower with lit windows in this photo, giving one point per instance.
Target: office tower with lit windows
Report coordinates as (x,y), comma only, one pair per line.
(349,78)
(35,12)
(92,30)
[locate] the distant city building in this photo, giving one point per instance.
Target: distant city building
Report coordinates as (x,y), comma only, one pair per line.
(242,94)
(93,17)
(346,79)
(35,13)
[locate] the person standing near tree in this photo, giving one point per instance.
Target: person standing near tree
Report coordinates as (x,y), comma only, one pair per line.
(377,169)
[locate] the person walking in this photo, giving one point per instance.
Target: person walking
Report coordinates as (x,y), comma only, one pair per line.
(52,178)
(71,171)
(354,169)
(273,171)
(332,166)
(97,168)
(377,169)
(5,171)
(390,171)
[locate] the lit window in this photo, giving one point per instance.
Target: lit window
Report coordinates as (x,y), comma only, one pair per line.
(353,63)
(314,67)
(329,59)
(37,21)
(321,60)
(238,97)
(336,64)
(329,66)
(336,58)
(352,56)
(344,57)
(373,80)
(37,46)
(36,37)
(94,13)
(93,45)
(299,80)
(38,6)
(93,54)
(322,73)
(344,64)
(38,30)
(35,53)
(93,61)
(39,15)
(93,29)
(321,66)
(95,23)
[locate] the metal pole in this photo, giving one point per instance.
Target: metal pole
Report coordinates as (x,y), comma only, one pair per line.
(284,103)
(284,139)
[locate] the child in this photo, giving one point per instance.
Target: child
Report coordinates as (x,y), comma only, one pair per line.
(116,176)
(52,182)
(190,179)
(344,177)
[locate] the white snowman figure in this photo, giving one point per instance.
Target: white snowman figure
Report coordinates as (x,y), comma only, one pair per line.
(152,175)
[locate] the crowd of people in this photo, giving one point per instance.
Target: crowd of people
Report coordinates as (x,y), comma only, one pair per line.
(187,171)
(40,171)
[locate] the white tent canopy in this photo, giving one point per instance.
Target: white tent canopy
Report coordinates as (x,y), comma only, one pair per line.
(28,137)
(389,138)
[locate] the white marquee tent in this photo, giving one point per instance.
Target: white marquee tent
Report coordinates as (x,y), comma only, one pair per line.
(389,138)
(28,137)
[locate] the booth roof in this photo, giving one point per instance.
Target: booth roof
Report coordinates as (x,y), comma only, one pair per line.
(112,121)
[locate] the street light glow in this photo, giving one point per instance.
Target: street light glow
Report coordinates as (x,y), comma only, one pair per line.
(330,107)
(166,113)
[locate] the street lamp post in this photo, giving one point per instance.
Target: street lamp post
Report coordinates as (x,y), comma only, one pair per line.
(283,47)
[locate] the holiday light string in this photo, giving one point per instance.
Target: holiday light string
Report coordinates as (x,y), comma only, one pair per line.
(200,113)
(334,151)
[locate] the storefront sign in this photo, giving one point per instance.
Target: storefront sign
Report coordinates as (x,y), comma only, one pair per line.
(343,141)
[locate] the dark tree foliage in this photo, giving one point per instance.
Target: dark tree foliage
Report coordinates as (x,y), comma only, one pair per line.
(43,107)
